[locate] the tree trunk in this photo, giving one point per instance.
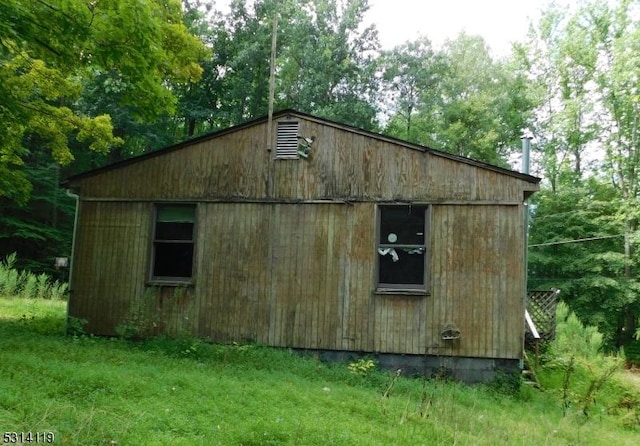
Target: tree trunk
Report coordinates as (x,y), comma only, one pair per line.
(191,127)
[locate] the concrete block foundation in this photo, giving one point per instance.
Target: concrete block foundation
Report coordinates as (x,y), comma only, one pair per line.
(465,369)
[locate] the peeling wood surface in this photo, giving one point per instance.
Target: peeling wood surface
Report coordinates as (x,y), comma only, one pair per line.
(285,251)
(302,275)
(342,165)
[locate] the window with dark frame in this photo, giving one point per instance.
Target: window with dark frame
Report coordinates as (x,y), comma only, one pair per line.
(402,247)
(173,242)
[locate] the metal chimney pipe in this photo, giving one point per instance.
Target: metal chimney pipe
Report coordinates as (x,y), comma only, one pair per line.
(526,149)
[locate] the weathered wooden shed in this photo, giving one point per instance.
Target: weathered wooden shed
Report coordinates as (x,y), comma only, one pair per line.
(304,233)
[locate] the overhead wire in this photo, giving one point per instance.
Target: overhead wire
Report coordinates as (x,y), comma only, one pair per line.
(588,239)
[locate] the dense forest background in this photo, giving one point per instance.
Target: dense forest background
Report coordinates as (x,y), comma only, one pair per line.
(86,83)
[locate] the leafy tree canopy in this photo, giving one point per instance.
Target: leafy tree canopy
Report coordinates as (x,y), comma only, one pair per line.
(49,50)
(323,62)
(457,99)
(583,67)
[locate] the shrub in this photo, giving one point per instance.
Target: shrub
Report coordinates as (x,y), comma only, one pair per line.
(9,277)
(506,383)
(361,367)
(575,362)
(573,338)
(27,284)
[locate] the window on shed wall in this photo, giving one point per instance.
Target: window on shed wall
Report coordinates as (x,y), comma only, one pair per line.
(173,242)
(402,247)
(287,140)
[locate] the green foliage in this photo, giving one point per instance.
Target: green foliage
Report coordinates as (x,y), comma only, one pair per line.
(573,339)
(361,367)
(457,99)
(591,274)
(28,285)
(75,326)
(411,75)
(632,353)
(9,277)
(142,319)
(506,383)
(323,61)
(576,367)
(42,230)
(88,390)
(48,50)
(152,314)
(487,106)
(582,387)
(581,65)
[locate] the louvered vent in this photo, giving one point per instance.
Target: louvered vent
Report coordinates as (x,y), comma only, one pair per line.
(287,145)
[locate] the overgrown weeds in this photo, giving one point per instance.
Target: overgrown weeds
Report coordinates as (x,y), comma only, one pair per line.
(27,284)
(154,314)
(92,390)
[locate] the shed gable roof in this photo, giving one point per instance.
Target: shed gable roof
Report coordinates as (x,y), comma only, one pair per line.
(322,121)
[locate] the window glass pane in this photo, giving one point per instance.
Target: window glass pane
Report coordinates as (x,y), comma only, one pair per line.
(173,242)
(173,260)
(402,225)
(176,214)
(174,231)
(400,266)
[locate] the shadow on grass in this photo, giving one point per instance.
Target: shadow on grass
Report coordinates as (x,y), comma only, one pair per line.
(43,325)
(24,316)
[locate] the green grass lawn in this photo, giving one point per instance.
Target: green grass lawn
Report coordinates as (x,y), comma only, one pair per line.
(96,391)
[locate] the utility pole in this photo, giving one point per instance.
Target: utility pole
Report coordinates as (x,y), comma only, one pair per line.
(526,149)
(272,81)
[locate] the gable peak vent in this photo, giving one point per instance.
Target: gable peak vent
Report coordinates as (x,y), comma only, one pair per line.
(287,139)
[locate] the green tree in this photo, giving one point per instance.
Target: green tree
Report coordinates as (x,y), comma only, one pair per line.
(560,59)
(409,73)
(485,104)
(49,50)
(42,230)
(323,64)
(577,246)
(584,67)
(617,30)
(458,99)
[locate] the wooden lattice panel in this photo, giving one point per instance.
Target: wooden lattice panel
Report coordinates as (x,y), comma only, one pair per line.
(542,309)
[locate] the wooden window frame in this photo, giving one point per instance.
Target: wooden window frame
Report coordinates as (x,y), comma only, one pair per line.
(172,280)
(401,288)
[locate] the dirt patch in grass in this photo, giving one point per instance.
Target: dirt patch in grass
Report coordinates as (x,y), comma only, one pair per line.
(633,377)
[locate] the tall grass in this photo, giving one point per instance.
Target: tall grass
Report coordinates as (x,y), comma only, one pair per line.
(27,284)
(97,391)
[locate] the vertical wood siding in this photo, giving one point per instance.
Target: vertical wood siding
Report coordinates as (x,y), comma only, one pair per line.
(477,280)
(342,164)
(286,275)
(271,269)
(302,275)
(110,262)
